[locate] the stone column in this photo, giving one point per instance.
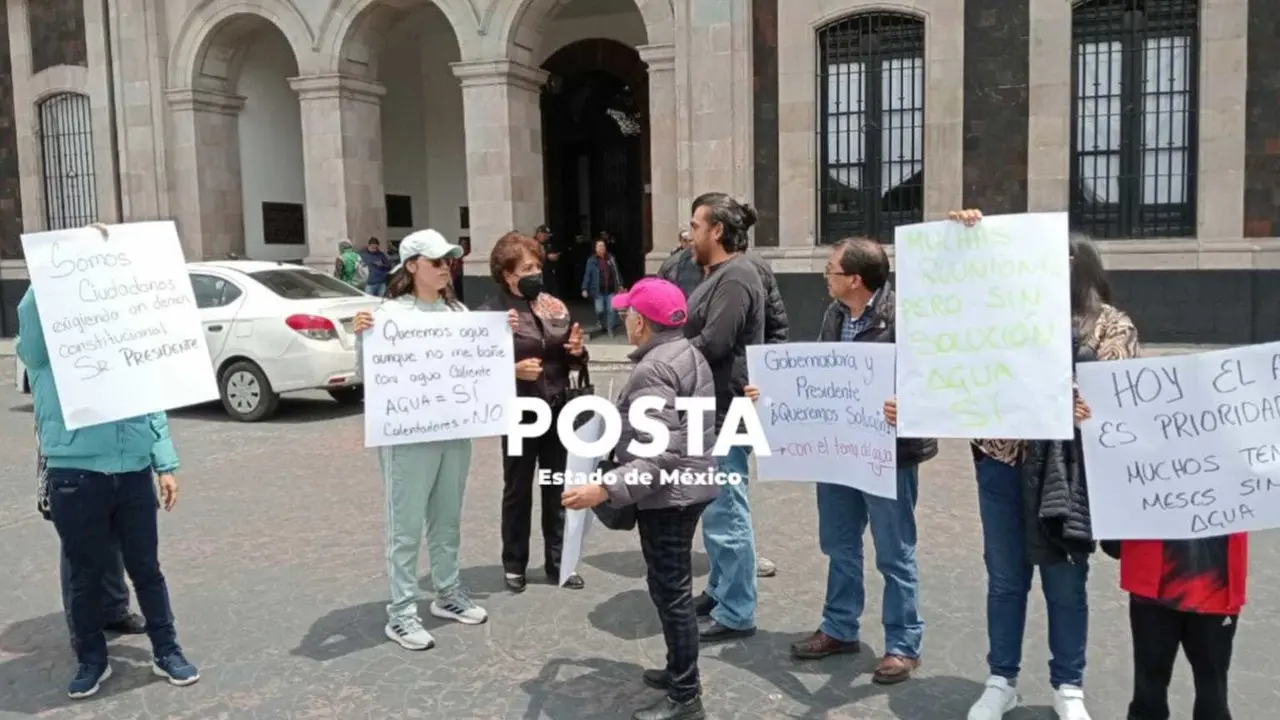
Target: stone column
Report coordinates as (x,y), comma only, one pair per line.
(342,157)
(663,170)
(503,120)
(206,172)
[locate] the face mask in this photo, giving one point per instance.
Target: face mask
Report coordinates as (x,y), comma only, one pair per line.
(530,286)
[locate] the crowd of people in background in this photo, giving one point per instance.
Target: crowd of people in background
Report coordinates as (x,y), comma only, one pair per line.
(691,326)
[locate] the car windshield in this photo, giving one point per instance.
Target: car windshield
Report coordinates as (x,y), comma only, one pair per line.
(304,284)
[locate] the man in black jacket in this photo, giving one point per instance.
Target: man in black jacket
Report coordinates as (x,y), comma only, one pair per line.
(683,270)
(862,310)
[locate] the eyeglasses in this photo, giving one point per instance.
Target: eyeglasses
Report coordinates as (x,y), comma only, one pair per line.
(836,273)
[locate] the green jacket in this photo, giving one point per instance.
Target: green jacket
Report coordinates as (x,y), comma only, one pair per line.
(350,260)
(111,448)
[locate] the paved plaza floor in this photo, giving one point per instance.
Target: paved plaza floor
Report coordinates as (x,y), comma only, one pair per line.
(274,559)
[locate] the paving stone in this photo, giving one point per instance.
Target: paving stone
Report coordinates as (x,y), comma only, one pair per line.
(274,559)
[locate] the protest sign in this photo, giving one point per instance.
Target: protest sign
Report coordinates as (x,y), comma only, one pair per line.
(1185,446)
(822,409)
(436,376)
(120,321)
(984,328)
(577,523)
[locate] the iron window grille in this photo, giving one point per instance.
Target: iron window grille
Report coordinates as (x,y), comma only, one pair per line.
(870,89)
(1134,120)
(66,150)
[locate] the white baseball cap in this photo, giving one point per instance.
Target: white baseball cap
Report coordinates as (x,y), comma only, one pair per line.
(428,244)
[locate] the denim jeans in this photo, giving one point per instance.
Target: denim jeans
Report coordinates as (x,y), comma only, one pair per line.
(604,312)
(376,289)
(731,548)
(89,508)
(115,593)
(843,516)
(1009,575)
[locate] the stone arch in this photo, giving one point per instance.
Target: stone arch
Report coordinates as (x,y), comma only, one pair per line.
(209,46)
(352,32)
(518,24)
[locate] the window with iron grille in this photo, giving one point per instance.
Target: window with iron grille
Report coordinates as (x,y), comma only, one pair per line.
(66,149)
(1134,119)
(870,126)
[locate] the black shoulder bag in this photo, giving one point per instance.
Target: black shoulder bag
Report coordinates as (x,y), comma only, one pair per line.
(623,518)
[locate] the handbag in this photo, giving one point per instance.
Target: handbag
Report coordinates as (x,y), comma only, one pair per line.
(623,518)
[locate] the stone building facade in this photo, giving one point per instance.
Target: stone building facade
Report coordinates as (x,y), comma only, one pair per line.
(833,117)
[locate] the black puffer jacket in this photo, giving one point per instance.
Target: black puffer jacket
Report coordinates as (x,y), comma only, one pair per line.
(1055,496)
(911,451)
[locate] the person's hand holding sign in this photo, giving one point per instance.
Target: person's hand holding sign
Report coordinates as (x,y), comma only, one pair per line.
(529,370)
(363,321)
(891,412)
(968,217)
(574,346)
(1082,411)
(168,490)
(513,320)
(751,392)
(582,497)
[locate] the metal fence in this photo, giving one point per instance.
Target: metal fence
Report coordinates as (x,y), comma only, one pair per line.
(66,147)
(870,90)
(1134,120)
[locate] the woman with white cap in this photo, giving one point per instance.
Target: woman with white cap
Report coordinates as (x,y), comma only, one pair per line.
(424,481)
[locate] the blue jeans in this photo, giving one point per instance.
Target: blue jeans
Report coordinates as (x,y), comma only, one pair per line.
(115,593)
(1009,576)
(376,289)
(89,508)
(843,516)
(731,548)
(604,312)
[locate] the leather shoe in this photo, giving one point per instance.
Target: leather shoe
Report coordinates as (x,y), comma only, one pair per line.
(656,679)
(820,645)
(703,605)
(575,581)
(715,632)
(894,669)
(130,624)
(668,709)
(515,584)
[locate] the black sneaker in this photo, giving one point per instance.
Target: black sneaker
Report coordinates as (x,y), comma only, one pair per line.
(130,624)
(668,709)
(515,583)
(715,632)
(703,605)
(656,679)
(88,680)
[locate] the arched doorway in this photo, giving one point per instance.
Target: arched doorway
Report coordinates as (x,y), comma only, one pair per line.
(595,130)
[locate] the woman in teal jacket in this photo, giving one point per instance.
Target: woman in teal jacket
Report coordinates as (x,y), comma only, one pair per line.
(424,481)
(102,483)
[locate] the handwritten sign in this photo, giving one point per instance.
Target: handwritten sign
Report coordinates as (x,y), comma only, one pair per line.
(120,321)
(984,328)
(1185,446)
(822,409)
(436,376)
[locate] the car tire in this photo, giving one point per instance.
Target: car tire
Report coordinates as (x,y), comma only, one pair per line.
(246,393)
(353,395)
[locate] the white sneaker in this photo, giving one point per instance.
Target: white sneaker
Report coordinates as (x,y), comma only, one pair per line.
(999,698)
(409,634)
(1068,702)
(459,607)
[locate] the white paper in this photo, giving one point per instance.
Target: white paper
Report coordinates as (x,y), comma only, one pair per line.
(120,321)
(822,409)
(578,522)
(1185,446)
(984,328)
(436,376)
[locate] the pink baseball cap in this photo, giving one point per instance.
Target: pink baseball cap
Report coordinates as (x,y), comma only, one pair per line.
(656,300)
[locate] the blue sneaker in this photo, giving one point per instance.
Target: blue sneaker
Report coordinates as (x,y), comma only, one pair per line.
(88,681)
(175,668)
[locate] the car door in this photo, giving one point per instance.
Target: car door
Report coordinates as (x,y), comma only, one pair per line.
(218,300)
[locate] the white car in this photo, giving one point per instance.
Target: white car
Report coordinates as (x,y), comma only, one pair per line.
(274,328)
